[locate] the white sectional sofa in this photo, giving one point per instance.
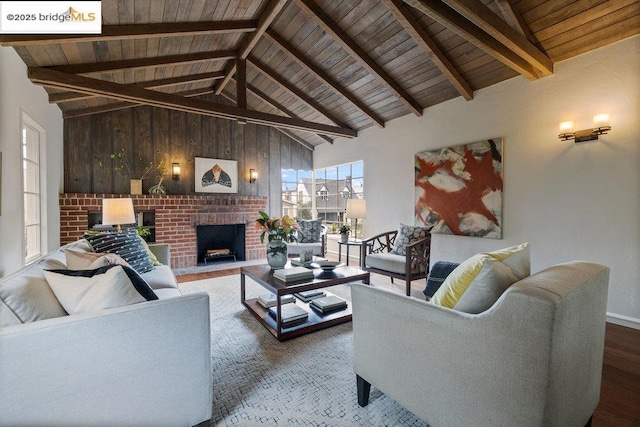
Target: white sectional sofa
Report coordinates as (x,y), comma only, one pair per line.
(142,364)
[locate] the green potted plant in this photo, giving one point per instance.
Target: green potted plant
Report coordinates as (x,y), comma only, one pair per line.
(344,232)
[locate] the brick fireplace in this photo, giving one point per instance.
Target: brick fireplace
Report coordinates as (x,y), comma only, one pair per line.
(176,219)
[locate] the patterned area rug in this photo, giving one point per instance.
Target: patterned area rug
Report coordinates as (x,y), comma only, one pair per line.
(306,381)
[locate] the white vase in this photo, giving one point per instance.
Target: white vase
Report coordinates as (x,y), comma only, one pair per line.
(344,237)
(276,254)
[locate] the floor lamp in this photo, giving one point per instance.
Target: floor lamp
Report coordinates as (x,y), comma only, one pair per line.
(117,212)
(356,209)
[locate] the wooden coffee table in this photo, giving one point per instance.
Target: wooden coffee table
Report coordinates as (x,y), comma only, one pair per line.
(263,275)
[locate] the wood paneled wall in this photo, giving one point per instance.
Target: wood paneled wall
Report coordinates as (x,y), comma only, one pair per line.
(176,137)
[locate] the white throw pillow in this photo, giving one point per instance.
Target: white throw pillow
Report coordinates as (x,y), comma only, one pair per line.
(83,291)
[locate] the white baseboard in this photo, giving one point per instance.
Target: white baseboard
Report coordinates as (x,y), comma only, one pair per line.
(629,322)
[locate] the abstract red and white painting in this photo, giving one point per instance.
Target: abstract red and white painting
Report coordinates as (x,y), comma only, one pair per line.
(458,190)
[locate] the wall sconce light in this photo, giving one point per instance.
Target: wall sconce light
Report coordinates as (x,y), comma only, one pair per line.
(175,171)
(600,121)
(253,175)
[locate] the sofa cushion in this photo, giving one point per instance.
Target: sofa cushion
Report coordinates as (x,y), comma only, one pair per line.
(127,244)
(161,277)
(387,261)
(299,248)
(80,260)
(310,230)
(408,234)
(477,283)
(82,291)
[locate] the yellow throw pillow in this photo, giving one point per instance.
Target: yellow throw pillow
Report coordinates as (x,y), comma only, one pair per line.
(477,283)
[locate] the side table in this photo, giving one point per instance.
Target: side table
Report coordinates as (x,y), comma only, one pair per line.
(348,244)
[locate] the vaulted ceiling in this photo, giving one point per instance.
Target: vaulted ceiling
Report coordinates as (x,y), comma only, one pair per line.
(315,69)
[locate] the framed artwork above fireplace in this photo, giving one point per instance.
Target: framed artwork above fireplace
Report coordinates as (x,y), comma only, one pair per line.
(216,175)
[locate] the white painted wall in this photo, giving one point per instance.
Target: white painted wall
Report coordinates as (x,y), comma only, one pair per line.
(570,201)
(18,93)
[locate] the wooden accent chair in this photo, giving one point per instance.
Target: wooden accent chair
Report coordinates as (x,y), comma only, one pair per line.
(377,257)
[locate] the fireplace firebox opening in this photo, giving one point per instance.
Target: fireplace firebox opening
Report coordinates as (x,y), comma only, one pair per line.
(220,242)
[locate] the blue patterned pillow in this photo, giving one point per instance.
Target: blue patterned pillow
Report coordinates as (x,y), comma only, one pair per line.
(310,231)
(408,234)
(126,244)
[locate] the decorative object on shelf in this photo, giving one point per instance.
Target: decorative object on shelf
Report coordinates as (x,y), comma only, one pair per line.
(117,212)
(253,175)
(344,233)
(216,175)
(124,166)
(135,186)
(568,132)
(175,171)
(158,188)
(279,231)
(356,209)
(458,189)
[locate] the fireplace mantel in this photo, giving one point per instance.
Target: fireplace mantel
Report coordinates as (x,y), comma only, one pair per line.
(176,219)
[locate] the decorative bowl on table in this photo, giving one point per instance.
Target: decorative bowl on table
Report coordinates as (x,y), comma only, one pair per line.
(326,265)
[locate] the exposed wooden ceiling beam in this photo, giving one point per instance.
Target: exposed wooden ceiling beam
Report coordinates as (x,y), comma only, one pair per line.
(267,99)
(492,24)
(241,84)
(286,132)
(325,78)
(270,13)
(132,93)
(134,32)
(514,18)
(277,78)
(323,20)
(171,81)
(140,63)
(420,36)
(468,31)
(113,106)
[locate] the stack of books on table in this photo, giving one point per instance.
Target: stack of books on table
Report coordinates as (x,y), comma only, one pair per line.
(269,300)
(298,261)
(293,274)
(328,304)
(290,313)
(307,296)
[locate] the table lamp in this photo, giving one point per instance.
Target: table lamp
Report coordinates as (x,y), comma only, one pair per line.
(356,209)
(117,212)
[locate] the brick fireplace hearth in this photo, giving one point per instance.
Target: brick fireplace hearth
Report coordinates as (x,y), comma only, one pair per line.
(176,218)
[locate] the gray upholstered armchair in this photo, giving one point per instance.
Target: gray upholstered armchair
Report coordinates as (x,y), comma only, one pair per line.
(533,359)
(378,257)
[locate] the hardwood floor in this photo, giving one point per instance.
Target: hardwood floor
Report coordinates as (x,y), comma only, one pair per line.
(619,404)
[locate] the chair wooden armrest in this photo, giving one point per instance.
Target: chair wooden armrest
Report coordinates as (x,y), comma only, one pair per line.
(382,242)
(417,257)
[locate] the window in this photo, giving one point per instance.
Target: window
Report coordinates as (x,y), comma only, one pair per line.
(32,137)
(337,184)
(296,193)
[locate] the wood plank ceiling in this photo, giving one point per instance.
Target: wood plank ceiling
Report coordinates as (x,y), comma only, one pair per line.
(315,69)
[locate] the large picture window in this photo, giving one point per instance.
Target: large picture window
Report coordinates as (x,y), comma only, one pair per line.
(327,193)
(297,189)
(334,186)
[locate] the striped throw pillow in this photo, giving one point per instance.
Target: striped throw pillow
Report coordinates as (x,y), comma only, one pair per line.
(126,244)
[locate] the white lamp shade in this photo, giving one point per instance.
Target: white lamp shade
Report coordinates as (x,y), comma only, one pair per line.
(356,208)
(117,211)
